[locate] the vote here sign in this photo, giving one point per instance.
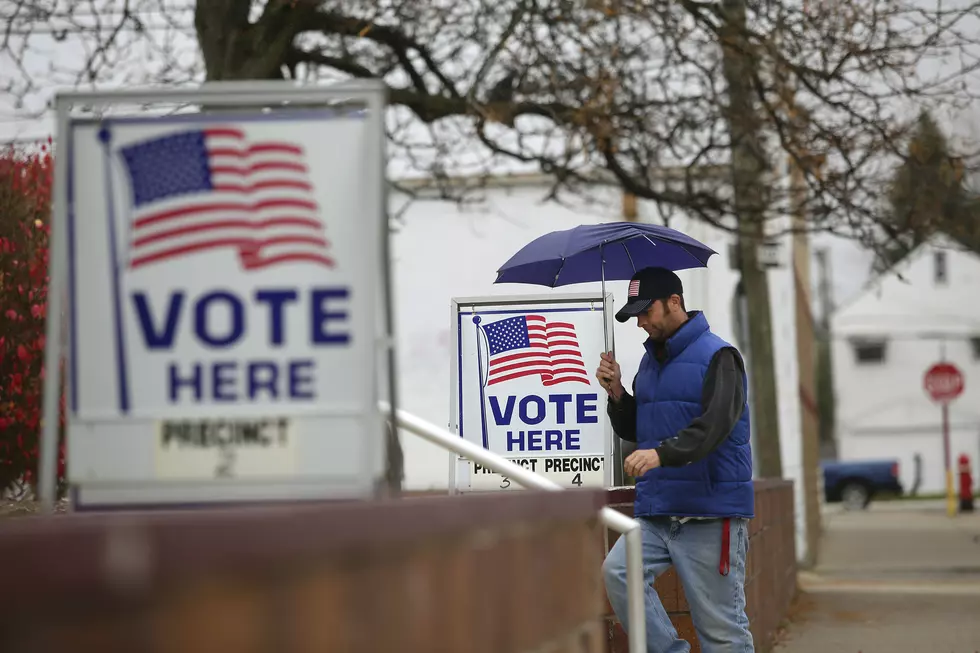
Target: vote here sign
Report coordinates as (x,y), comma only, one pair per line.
(224,272)
(525,388)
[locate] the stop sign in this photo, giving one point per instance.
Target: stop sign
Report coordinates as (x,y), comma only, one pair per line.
(943,382)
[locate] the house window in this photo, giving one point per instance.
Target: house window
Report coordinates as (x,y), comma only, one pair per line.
(869,351)
(939,264)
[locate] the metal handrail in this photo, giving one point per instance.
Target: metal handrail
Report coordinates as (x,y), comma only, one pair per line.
(630,528)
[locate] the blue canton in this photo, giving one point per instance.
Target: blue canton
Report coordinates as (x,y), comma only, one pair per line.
(168,167)
(505,335)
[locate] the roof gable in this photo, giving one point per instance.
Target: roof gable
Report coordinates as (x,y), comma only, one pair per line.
(906,297)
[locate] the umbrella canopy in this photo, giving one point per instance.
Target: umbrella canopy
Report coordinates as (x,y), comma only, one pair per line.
(602,252)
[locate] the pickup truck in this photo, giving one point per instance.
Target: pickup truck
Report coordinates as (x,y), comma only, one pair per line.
(855,482)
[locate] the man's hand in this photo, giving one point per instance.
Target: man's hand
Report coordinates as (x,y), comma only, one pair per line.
(610,376)
(640,462)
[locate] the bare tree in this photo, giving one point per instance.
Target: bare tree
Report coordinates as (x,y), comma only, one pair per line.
(607,91)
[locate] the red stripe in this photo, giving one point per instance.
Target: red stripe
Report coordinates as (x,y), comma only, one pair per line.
(263,185)
(569,370)
(246,244)
(515,366)
(284,148)
(566,334)
(258,167)
(252,264)
(511,357)
(187,249)
(276,147)
(225,132)
(245,207)
(549,382)
(226,224)
(529,371)
(287,240)
(569,343)
(536,318)
(568,361)
(561,325)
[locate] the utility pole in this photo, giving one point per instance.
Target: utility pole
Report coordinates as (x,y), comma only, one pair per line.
(749,163)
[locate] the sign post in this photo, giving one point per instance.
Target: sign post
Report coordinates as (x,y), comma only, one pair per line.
(224,337)
(944,383)
(523,386)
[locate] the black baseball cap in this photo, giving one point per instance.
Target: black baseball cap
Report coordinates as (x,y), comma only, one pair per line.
(646,286)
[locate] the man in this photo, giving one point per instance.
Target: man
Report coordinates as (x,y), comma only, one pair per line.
(693,464)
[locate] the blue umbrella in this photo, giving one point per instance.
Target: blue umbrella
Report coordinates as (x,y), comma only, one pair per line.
(598,252)
(612,250)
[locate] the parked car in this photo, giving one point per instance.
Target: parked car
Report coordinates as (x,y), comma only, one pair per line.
(855,482)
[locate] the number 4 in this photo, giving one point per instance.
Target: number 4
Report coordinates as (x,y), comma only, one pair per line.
(577,480)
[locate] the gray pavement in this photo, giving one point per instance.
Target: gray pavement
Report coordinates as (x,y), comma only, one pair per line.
(900,577)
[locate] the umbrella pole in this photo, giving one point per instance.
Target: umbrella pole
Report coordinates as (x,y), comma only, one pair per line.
(618,479)
(602,272)
(608,338)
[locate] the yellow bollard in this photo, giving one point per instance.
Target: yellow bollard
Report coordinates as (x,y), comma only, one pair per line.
(950,494)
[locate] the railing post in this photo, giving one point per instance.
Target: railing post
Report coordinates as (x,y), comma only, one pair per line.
(629,528)
(635,590)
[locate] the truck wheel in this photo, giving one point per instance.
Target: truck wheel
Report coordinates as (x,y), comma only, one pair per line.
(855,496)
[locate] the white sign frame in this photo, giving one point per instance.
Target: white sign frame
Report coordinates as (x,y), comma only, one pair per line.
(358,475)
(461,307)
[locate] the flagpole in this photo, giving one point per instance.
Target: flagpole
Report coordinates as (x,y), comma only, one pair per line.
(105,135)
(483,402)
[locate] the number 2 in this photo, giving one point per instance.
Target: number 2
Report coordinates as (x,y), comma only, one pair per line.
(224,469)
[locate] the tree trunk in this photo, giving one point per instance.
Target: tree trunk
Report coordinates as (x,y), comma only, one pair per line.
(234,49)
(749,166)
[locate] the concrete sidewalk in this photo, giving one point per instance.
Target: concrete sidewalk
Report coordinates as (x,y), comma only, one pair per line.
(896,578)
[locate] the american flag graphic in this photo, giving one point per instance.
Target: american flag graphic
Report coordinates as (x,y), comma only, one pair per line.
(207,189)
(634,288)
(529,344)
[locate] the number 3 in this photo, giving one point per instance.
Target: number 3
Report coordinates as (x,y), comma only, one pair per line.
(505,483)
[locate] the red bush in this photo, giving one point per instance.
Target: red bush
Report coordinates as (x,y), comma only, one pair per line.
(25,204)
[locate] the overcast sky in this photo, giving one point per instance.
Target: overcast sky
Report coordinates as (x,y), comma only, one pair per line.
(41,58)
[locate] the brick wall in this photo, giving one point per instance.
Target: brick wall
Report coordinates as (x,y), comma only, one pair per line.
(507,572)
(770,571)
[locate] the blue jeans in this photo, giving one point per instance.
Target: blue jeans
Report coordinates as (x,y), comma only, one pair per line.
(717,601)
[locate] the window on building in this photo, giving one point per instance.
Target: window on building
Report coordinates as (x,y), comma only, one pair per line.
(868,351)
(939,266)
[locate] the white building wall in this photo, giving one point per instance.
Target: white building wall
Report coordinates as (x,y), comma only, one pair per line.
(882,408)
(443,250)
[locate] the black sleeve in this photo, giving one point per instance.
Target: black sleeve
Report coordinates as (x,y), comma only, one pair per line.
(622,415)
(723,399)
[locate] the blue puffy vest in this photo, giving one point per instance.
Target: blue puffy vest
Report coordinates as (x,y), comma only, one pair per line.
(668,397)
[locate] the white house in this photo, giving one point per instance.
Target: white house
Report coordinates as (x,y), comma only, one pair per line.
(443,250)
(925,310)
